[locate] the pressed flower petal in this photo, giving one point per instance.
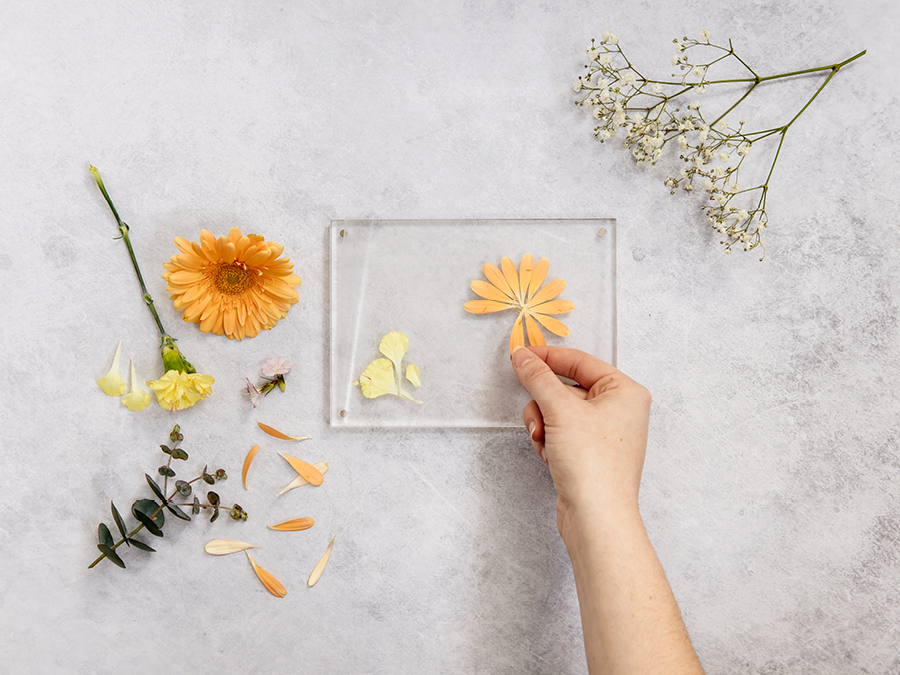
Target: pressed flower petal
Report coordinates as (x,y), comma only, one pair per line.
(537,277)
(247,460)
(517,337)
(491,292)
(535,336)
(300,480)
(378,379)
(486,306)
(271,583)
(112,383)
(320,566)
(295,525)
(412,374)
(226,546)
(526,269)
(553,307)
(554,326)
(278,434)
(394,346)
(137,399)
(312,475)
(509,273)
(548,292)
(495,276)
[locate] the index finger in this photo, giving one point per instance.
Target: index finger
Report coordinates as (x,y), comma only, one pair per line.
(577,365)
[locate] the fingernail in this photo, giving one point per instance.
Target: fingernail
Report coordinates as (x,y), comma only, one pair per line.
(531,428)
(521,356)
(544,455)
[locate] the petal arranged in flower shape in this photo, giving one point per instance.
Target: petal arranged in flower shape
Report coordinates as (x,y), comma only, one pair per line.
(516,338)
(548,292)
(495,276)
(512,279)
(537,277)
(491,292)
(553,325)
(112,383)
(486,306)
(271,583)
(535,336)
(526,269)
(553,307)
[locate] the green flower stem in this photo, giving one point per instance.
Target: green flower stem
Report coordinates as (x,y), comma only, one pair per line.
(123,229)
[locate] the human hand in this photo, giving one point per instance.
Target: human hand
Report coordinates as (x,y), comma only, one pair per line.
(593,437)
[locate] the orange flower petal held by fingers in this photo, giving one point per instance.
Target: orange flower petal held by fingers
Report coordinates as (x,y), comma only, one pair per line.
(236,285)
(524,293)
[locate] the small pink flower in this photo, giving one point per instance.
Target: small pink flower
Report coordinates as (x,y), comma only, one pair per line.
(253,393)
(276,366)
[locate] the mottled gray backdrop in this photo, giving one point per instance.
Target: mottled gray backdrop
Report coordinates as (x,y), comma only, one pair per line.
(772,479)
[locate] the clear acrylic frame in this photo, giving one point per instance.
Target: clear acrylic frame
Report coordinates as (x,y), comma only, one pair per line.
(414,276)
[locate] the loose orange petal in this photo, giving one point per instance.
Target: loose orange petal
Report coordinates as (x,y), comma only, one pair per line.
(247,460)
(516,338)
(537,277)
(495,276)
(300,480)
(486,306)
(512,278)
(278,434)
(548,292)
(526,269)
(320,566)
(553,307)
(308,471)
(535,336)
(490,292)
(551,324)
(271,583)
(293,525)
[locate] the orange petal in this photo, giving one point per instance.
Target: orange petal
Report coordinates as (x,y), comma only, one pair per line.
(535,336)
(271,583)
(526,268)
(293,525)
(516,338)
(538,276)
(553,307)
(312,475)
(509,273)
(548,292)
(300,480)
(492,274)
(554,326)
(486,306)
(279,434)
(490,292)
(247,460)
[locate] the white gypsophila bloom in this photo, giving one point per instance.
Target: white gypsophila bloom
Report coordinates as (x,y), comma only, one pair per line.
(731,208)
(605,134)
(762,227)
(719,171)
(603,83)
(610,37)
(735,188)
(724,156)
(592,54)
(688,187)
(619,119)
(722,126)
(744,149)
(700,88)
(657,141)
(698,162)
(599,112)
(710,185)
(637,118)
(605,60)
(604,95)
(627,78)
(618,105)
(698,71)
(683,142)
(684,173)
(676,60)
(656,88)
(694,105)
(743,214)
(721,200)
(703,135)
(578,85)
(704,35)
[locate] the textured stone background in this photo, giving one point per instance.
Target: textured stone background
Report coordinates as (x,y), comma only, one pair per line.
(772,480)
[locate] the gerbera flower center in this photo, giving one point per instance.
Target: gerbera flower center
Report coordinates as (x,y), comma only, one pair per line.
(232,278)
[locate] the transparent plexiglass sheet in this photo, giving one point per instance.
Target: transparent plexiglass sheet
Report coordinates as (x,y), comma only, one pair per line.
(414,276)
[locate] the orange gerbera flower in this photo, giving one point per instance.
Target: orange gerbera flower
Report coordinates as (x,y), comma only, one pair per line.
(236,285)
(509,290)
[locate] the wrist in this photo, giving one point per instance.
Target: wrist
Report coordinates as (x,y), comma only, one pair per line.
(588,525)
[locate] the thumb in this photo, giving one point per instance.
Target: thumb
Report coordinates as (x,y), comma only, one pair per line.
(538,379)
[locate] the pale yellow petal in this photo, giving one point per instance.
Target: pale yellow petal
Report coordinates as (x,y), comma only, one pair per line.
(412,374)
(320,566)
(112,383)
(226,546)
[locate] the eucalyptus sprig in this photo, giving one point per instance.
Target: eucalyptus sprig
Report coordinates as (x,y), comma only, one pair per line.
(150,513)
(622,97)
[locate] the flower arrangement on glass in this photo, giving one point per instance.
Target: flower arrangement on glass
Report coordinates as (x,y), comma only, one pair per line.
(713,150)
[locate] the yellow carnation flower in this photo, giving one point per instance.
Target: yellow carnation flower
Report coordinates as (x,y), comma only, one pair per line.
(177,391)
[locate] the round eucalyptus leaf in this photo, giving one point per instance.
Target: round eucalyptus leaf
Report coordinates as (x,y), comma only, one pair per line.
(209,480)
(166,449)
(178,453)
(137,543)
(183,487)
(166,471)
(150,515)
(104,536)
(112,555)
(213,498)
